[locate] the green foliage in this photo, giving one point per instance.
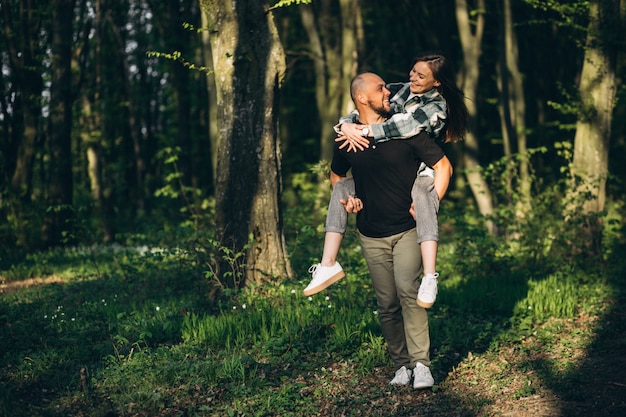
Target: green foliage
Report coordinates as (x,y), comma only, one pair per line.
(286,3)
(156,339)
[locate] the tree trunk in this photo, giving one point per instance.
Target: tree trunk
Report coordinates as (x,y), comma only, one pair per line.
(350,17)
(249,65)
(593,130)
(133,122)
(21,35)
(471,45)
(60,181)
(90,119)
(515,105)
(325,42)
(210,83)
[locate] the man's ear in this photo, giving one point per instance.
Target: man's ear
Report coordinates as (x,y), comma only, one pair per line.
(361,99)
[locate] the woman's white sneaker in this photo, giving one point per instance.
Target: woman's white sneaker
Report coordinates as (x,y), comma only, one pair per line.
(427,293)
(323,277)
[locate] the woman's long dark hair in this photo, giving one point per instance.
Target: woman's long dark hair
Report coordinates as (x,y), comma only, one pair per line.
(457,123)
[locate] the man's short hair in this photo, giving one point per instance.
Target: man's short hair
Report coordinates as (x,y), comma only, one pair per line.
(356,85)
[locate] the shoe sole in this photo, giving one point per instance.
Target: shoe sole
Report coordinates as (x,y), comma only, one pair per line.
(330,281)
(424,304)
(423,386)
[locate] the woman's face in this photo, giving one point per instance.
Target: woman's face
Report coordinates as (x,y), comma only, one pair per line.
(421,78)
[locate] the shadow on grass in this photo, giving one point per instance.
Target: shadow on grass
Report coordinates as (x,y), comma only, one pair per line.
(51,331)
(597,387)
(143,306)
(593,386)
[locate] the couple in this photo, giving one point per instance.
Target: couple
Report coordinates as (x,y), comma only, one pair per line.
(384,178)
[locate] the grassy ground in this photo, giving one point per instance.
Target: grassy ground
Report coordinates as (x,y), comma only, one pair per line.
(103,332)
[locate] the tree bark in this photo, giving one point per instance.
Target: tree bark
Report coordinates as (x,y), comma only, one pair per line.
(249,65)
(326,43)
(21,34)
(210,83)
(471,44)
(597,89)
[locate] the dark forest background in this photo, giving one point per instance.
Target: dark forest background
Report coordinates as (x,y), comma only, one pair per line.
(108,111)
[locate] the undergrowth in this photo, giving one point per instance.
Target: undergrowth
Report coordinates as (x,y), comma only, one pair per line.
(136,330)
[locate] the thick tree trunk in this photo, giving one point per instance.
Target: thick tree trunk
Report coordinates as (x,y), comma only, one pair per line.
(593,130)
(249,66)
(471,44)
(60,180)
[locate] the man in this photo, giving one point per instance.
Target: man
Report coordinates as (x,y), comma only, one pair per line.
(383,176)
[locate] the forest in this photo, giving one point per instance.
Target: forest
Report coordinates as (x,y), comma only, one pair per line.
(184,146)
(112,124)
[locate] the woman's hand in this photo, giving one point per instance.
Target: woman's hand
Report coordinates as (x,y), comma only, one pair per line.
(352,204)
(353,138)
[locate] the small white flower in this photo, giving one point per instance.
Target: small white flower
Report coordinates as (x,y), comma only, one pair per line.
(327,298)
(375,312)
(310,298)
(244,306)
(73,319)
(330,306)
(157,308)
(234,307)
(293,291)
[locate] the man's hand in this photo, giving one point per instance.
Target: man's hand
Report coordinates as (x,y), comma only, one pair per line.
(352,137)
(352,205)
(412,211)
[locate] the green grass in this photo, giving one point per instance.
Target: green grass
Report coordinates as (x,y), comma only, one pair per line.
(149,342)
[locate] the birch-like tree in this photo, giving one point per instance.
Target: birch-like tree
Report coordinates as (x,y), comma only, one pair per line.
(249,64)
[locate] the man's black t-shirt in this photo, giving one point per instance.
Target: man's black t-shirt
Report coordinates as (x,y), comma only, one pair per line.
(383,176)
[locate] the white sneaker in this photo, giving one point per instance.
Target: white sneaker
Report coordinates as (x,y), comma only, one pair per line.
(403,377)
(323,277)
(422,376)
(427,293)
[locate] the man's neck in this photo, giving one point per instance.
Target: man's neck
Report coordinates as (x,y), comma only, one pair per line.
(368,117)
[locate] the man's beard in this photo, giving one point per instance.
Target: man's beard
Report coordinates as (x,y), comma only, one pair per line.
(380,110)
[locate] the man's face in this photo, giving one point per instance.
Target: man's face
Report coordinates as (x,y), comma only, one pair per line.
(421,77)
(377,95)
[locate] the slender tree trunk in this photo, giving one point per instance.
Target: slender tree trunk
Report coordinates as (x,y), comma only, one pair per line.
(249,67)
(133,125)
(210,82)
(328,61)
(90,119)
(60,180)
(516,102)
(512,110)
(593,130)
(471,43)
(350,16)
(21,35)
